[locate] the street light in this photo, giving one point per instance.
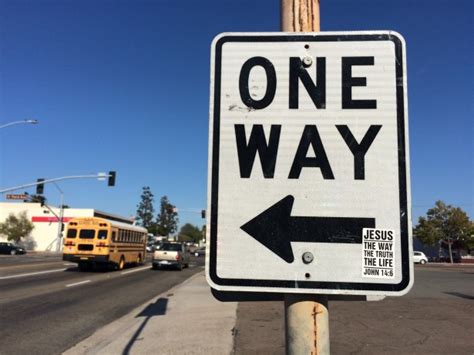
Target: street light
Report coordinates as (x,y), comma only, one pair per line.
(29,121)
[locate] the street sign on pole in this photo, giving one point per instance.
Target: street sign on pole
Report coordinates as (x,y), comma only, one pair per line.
(309,186)
(16,196)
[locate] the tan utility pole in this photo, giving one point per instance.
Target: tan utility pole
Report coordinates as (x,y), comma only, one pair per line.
(300,16)
(306,316)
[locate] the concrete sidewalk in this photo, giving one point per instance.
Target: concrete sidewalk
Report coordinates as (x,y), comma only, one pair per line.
(434,318)
(184,320)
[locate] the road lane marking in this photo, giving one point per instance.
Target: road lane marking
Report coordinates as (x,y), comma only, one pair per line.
(29,264)
(135,270)
(78,283)
(31,274)
(70,264)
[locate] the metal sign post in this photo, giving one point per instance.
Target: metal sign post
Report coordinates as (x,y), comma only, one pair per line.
(306,316)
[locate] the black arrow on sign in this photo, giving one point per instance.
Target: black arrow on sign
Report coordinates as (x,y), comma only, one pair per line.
(275,228)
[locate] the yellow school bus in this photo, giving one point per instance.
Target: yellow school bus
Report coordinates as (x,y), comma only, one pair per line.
(93,241)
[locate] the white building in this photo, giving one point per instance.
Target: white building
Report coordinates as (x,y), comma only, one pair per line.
(44,235)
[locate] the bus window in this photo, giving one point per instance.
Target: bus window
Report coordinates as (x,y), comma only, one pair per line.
(87,234)
(102,234)
(71,233)
(114,237)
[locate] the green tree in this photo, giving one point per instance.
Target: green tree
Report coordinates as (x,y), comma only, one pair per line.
(445,223)
(184,238)
(192,232)
(145,209)
(167,219)
(16,227)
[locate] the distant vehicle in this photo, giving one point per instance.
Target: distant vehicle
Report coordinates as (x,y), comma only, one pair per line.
(171,255)
(419,257)
(446,259)
(200,251)
(10,248)
(158,246)
(92,241)
(150,246)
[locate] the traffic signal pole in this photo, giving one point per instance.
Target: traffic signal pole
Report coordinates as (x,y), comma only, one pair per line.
(60,220)
(40,184)
(93,176)
(306,315)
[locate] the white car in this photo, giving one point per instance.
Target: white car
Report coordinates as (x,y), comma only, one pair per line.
(419,257)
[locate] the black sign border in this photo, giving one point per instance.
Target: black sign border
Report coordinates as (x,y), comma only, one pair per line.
(402,173)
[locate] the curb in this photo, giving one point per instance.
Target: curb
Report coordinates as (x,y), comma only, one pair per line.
(101,338)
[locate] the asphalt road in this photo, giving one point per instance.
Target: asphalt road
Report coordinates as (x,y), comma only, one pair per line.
(47,305)
(435,317)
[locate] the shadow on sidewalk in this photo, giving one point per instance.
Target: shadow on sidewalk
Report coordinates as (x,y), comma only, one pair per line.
(154,309)
(460,295)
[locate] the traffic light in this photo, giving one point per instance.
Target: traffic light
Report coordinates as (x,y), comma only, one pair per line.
(39,187)
(203,214)
(111,178)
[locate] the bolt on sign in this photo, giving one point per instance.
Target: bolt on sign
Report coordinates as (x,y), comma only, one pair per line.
(309,187)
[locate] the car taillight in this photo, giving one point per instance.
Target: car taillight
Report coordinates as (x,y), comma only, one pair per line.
(178,257)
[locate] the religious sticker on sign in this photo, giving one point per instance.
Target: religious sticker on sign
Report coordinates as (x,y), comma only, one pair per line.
(377,257)
(309,187)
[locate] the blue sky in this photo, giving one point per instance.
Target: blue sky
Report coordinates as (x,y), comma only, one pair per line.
(124,85)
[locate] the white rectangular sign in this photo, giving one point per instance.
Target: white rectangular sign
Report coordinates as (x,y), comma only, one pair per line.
(308,164)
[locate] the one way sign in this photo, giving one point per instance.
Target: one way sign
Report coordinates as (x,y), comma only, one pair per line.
(308,164)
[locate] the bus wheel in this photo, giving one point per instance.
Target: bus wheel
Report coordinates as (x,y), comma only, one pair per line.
(121,263)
